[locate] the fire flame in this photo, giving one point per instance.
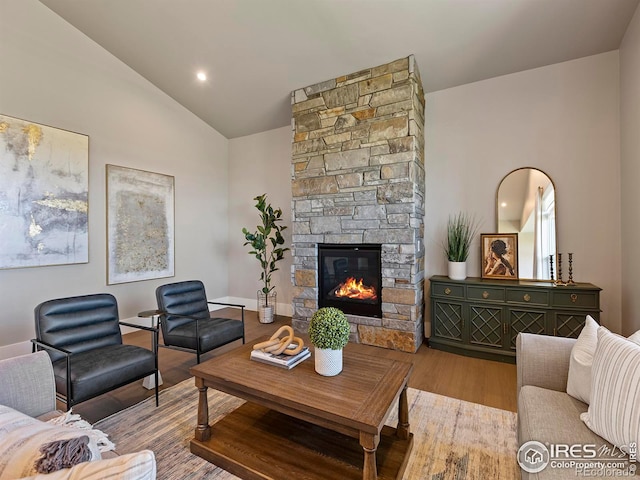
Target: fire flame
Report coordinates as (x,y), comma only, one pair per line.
(354,289)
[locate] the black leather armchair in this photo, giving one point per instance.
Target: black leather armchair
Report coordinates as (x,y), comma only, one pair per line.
(186,322)
(82,336)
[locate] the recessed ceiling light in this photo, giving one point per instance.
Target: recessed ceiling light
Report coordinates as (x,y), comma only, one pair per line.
(201,76)
(503,204)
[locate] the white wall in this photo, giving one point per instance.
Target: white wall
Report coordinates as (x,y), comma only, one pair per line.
(51,73)
(258,164)
(564,120)
(630,166)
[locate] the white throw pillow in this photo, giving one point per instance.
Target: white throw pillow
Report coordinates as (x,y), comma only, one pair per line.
(635,337)
(614,412)
(22,437)
(579,379)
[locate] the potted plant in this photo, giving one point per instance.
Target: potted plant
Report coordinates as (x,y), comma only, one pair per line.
(329,333)
(266,245)
(461,230)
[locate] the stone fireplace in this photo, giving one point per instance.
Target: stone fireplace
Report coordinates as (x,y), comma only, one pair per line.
(358,179)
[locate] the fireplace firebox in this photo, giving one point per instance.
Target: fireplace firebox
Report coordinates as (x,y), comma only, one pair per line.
(350,278)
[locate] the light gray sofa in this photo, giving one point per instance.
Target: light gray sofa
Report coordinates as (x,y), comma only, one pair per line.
(546,413)
(27,385)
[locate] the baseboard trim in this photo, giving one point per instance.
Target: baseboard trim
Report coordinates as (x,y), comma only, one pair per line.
(14,350)
(252,304)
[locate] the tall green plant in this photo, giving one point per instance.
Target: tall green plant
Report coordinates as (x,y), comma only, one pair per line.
(266,242)
(461,230)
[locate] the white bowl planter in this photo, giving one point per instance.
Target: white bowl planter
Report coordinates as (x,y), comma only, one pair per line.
(457,270)
(328,362)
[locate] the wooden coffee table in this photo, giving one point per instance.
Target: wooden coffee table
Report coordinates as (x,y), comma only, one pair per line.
(300,425)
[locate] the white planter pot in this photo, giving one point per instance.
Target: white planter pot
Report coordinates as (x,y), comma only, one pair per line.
(266,307)
(328,362)
(265,314)
(457,270)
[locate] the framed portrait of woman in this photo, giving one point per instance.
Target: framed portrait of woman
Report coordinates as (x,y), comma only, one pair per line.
(499,255)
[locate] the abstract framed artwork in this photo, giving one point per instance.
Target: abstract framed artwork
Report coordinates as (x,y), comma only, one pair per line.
(140,225)
(499,255)
(44,195)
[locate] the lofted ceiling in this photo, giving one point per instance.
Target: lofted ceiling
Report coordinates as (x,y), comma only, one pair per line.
(255,52)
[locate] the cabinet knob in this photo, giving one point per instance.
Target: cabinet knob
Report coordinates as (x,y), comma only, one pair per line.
(447,291)
(485,294)
(574,298)
(527,297)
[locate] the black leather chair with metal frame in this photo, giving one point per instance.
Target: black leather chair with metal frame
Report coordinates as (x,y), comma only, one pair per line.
(82,336)
(186,322)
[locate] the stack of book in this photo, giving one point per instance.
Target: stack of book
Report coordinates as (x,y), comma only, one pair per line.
(282,360)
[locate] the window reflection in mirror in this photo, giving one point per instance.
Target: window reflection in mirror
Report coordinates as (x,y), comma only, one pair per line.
(526,205)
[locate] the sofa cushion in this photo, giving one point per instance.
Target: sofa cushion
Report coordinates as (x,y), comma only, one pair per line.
(134,466)
(102,369)
(614,412)
(552,417)
(579,378)
(22,437)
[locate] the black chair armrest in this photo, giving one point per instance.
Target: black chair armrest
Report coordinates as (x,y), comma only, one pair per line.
(242,307)
(150,313)
(140,327)
(155,331)
(227,304)
(67,358)
(46,346)
(231,305)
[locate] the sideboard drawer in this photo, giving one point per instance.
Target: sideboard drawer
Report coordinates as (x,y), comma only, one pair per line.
(528,297)
(485,293)
(575,299)
(447,290)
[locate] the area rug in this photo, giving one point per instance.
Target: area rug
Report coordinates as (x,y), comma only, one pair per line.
(453,439)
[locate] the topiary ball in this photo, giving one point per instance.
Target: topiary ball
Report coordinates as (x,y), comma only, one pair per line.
(329,328)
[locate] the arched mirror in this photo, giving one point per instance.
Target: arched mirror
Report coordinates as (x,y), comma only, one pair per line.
(526,205)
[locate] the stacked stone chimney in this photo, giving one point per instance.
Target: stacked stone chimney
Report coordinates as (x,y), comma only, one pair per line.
(358,177)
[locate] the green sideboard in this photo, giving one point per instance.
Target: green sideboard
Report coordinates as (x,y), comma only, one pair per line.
(482,318)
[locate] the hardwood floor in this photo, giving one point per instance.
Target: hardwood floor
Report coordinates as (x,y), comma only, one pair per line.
(471,379)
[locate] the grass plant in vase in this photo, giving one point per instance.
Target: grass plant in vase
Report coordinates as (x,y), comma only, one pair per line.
(267,246)
(461,230)
(329,333)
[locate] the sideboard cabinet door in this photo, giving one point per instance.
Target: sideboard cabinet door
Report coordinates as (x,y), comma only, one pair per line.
(526,321)
(448,320)
(486,325)
(569,324)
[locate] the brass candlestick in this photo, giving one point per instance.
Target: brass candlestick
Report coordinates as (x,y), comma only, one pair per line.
(551,267)
(571,282)
(559,280)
